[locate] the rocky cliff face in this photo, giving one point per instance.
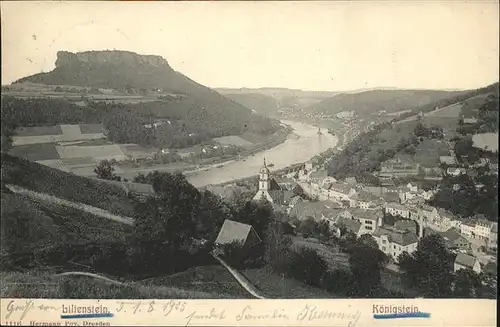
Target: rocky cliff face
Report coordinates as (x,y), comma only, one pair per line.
(119,58)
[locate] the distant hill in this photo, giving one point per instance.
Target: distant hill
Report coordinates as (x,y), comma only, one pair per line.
(370,102)
(285,98)
(364,154)
(277,92)
(259,102)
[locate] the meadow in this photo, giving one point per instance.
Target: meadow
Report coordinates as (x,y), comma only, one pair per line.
(45,284)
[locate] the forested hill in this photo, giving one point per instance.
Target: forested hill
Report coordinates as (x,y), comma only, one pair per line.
(376,100)
(195,112)
(131,72)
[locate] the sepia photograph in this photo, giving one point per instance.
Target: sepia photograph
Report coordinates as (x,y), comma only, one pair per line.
(249,150)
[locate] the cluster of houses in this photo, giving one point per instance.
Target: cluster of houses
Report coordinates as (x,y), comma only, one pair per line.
(351,208)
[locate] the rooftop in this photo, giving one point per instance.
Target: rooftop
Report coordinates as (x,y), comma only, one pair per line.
(341,188)
(405,224)
(395,235)
(396,206)
(452,234)
(465,260)
(352,225)
(233,231)
(366,196)
(449,160)
(320,174)
(366,214)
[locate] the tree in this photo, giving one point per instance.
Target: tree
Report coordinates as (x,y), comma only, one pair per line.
(172,216)
(420,130)
(277,252)
(338,282)
(308,227)
(298,190)
(368,240)
(307,266)
(365,263)
(256,214)
(429,268)
(467,284)
(105,170)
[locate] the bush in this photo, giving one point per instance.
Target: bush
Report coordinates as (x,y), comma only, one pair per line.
(307,266)
(241,257)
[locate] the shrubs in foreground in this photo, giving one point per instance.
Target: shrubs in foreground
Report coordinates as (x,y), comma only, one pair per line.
(21,285)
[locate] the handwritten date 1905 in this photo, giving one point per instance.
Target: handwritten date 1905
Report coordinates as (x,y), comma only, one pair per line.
(166,307)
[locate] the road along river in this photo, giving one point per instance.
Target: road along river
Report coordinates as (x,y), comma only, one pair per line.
(301,146)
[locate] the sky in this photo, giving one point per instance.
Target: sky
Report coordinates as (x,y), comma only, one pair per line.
(330,46)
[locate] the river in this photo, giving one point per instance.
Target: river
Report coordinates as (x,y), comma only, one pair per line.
(300,146)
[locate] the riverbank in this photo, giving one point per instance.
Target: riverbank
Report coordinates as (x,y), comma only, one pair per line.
(297,149)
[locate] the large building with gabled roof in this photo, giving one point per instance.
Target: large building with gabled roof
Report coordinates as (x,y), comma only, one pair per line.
(236,232)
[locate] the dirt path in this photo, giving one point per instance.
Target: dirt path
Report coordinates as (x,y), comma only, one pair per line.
(244,282)
(76,205)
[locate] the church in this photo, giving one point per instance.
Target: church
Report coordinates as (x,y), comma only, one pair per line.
(271,190)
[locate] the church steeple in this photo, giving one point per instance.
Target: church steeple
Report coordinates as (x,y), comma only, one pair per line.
(264,183)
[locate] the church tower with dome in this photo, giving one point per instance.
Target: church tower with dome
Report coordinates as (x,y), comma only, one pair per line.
(269,189)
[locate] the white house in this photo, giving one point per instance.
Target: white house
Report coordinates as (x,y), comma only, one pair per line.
(370,219)
(341,192)
(464,261)
(396,209)
(364,200)
(482,229)
(455,171)
(393,242)
(426,195)
(467,229)
(350,225)
(428,213)
(446,219)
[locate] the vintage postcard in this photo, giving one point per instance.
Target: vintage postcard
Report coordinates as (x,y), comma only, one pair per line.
(249,163)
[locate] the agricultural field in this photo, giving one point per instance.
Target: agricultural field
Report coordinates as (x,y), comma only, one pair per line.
(274,286)
(36,152)
(91,128)
(471,106)
(486,141)
(427,153)
(137,151)
(452,111)
(43,179)
(232,140)
(212,279)
(68,147)
(99,152)
(45,284)
(39,130)
(333,257)
(61,133)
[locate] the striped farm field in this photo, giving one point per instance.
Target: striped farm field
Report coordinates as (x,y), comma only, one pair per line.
(83,161)
(134,150)
(38,130)
(36,152)
(452,111)
(98,152)
(91,128)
